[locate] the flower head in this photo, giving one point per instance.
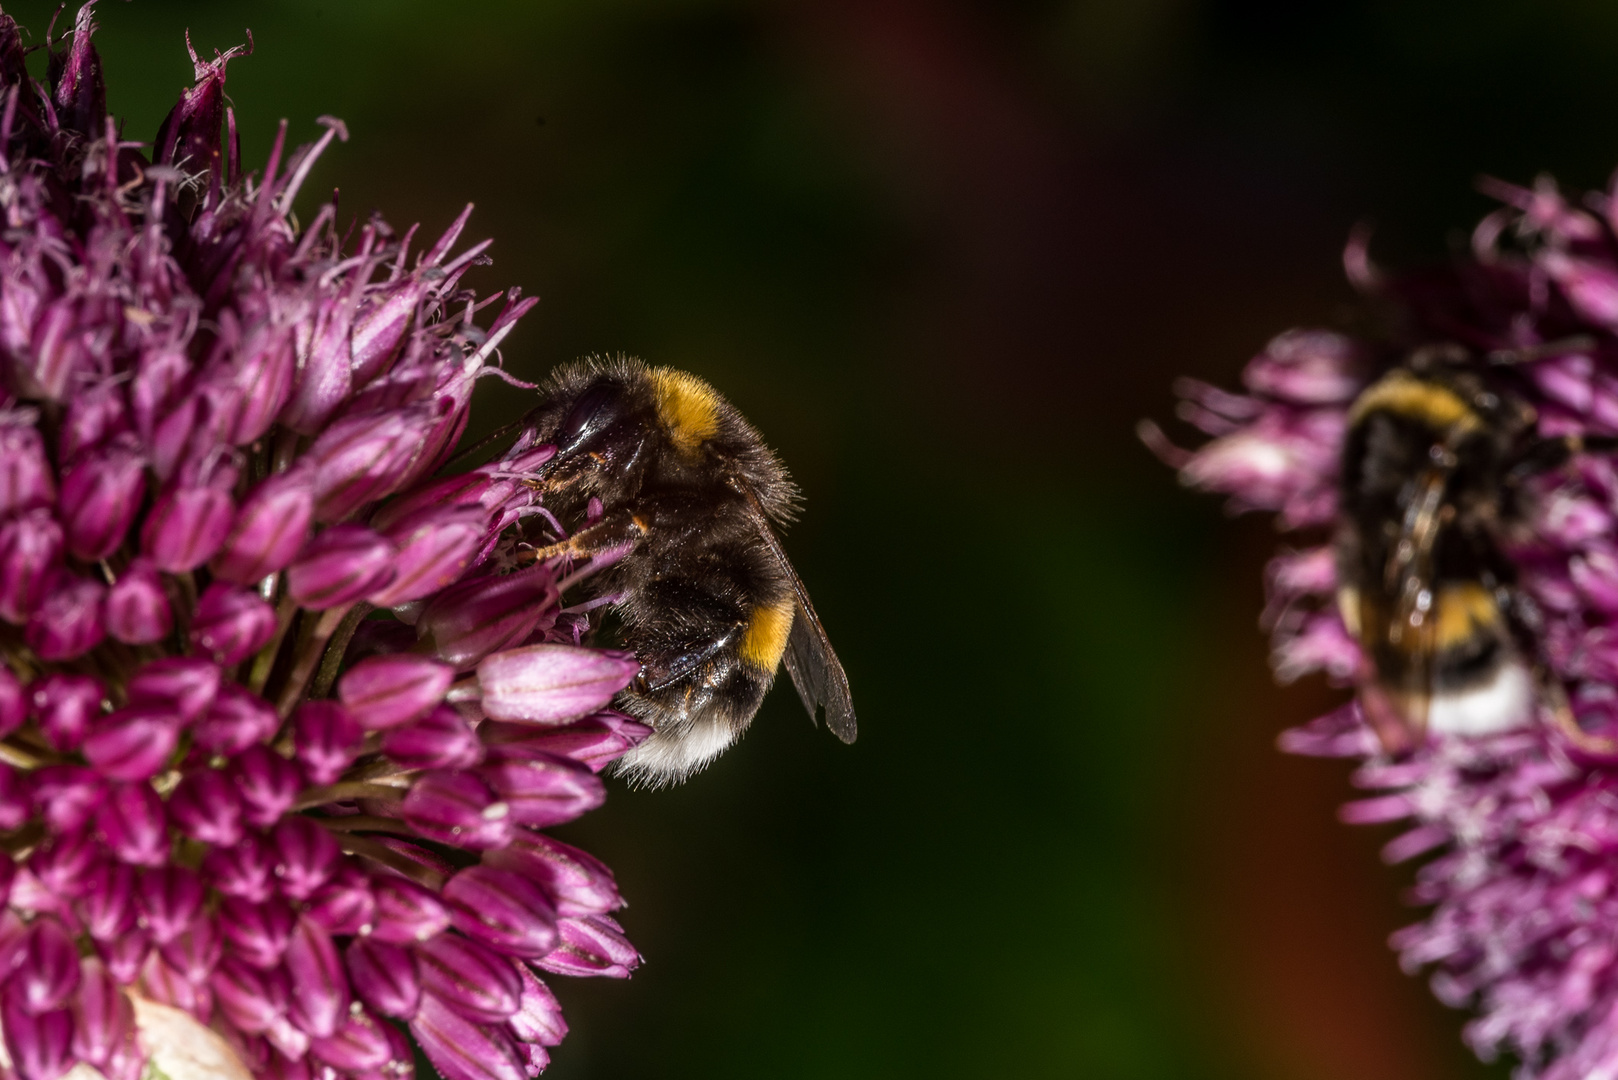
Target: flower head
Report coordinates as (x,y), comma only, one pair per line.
(1524,882)
(245,768)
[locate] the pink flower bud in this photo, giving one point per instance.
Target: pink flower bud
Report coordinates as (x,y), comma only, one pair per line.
(63,708)
(41,1044)
(195,950)
(70,619)
(243,870)
(168,898)
(132,823)
(319,984)
(327,739)
(187,686)
(26,481)
(103,1019)
(435,549)
(30,548)
(345,904)
(251,998)
(13,702)
(189,523)
(236,720)
(231,624)
(360,459)
(476,981)
(596,741)
(406,912)
(457,808)
(48,971)
(100,494)
(63,864)
(305,856)
(137,607)
(257,933)
(386,691)
(471,619)
(67,797)
(539,1018)
(505,911)
(385,976)
(125,955)
(134,743)
(269,531)
(267,783)
(341,565)
(550,684)
(463,1049)
(205,806)
(440,740)
(592,946)
(577,882)
(107,908)
(265,365)
(543,791)
(358,1047)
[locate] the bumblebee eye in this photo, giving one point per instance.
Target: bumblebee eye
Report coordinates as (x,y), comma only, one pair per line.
(597,408)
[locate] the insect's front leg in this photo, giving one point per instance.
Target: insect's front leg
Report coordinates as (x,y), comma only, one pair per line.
(615,530)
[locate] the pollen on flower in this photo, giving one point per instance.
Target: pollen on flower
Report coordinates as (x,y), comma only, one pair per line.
(249,624)
(1512,789)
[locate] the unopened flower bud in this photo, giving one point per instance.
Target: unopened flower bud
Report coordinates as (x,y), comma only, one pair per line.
(67,797)
(328,740)
(341,565)
(361,459)
(462,1047)
(205,806)
(189,523)
(185,684)
(596,741)
(505,911)
(267,783)
(137,607)
(26,481)
(543,791)
(100,494)
(386,691)
(592,946)
(63,707)
(475,980)
(551,684)
(435,548)
(133,824)
(441,739)
(319,986)
(471,619)
(30,547)
(70,619)
(577,882)
(385,976)
(134,743)
(270,529)
(244,869)
(231,624)
(407,913)
(48,971)
(257,933)
(235,720)
(103,1019)
(305,857)
(457,808)
(167,897)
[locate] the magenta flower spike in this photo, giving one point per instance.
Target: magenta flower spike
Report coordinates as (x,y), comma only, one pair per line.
(275,674)
(1516,823)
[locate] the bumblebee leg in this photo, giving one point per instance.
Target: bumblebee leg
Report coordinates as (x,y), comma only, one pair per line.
(615,530)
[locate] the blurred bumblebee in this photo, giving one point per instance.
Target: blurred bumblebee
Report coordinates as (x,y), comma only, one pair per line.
(655,463)
(1433,465)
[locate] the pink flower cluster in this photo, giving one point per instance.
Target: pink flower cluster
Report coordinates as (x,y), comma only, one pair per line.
(1521,827)
(279,721)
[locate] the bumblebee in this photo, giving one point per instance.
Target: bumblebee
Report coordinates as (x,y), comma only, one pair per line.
(1433,465)
(657,471)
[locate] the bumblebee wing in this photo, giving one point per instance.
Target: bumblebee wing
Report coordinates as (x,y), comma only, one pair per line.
(1404,638)
(814,667)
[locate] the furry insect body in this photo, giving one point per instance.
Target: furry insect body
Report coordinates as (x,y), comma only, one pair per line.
(688,494)
(1432,464)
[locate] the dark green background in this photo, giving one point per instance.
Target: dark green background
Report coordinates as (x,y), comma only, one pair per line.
(945,254)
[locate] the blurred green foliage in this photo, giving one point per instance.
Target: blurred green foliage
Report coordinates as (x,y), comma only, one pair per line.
(944,254)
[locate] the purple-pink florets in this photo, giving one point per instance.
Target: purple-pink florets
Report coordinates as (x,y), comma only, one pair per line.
(281,710)
(1521,827)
